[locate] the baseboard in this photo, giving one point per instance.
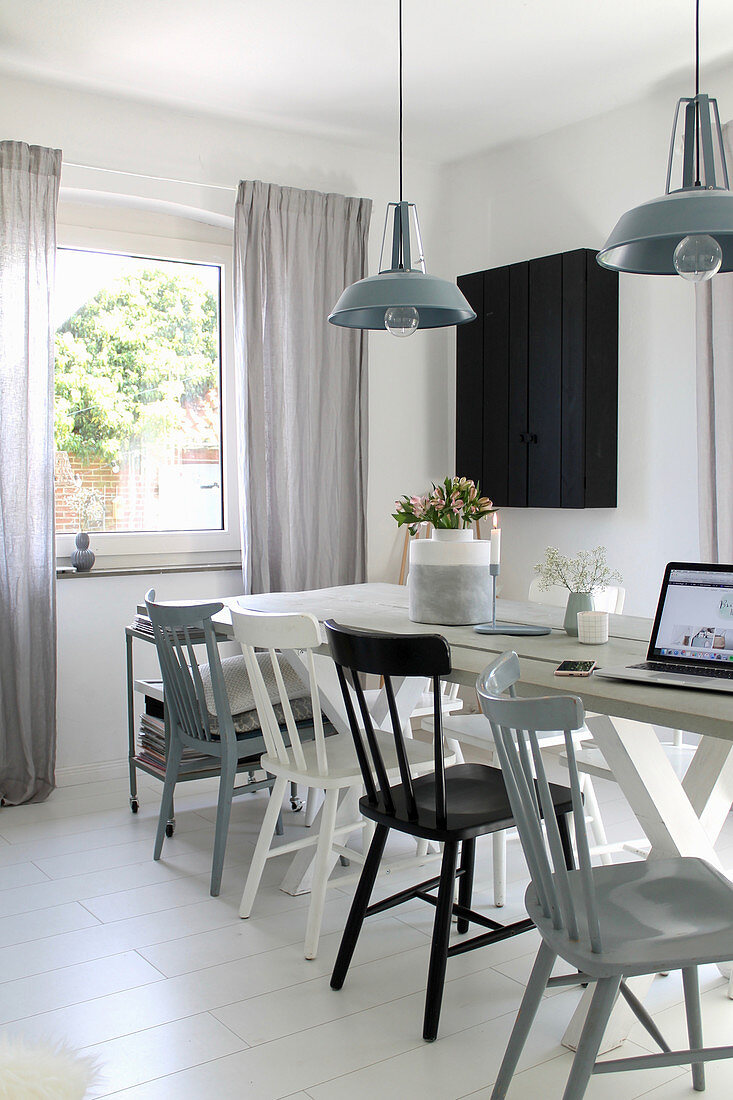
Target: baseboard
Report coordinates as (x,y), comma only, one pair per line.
(91,773)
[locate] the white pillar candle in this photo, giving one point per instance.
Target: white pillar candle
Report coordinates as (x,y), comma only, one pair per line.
(495,541)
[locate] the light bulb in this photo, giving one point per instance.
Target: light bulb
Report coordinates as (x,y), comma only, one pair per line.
(698,257)
(401,320)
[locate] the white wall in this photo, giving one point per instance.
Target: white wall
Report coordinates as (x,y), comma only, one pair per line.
(93,612)
(566,190)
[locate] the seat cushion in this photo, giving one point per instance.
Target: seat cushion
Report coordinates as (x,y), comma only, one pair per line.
(241,697)
(476,801)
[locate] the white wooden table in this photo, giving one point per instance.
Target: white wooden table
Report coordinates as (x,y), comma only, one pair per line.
(679,818)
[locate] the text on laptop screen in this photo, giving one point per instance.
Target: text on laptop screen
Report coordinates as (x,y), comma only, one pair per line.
(697,618)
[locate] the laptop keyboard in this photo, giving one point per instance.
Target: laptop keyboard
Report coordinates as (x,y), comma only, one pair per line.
(723,673)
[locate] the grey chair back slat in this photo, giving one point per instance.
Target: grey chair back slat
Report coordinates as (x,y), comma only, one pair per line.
(516,724)
(177,632)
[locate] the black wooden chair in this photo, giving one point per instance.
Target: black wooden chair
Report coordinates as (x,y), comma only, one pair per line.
(451,805)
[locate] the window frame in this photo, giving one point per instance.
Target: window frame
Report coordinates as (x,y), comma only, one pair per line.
(123,544)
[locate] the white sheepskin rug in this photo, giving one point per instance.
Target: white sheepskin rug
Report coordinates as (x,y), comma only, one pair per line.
(43,1071)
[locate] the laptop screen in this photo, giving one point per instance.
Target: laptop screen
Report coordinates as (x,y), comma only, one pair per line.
(694,620)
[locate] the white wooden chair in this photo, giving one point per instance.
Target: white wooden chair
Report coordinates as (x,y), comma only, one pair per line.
(326,763)
(608,923)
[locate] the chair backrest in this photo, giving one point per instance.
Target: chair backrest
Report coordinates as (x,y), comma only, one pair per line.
(177,629)
(390,655)
(610,599)
(516,724)
(275,631)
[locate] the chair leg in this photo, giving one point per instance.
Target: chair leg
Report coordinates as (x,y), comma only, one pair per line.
(223,812)
(604,996)
(262,847)
(691,987)
(455,746)
(498,842)
(441,936)
(531,1001)
(173,763)
(677,739)
(312,805)
(359,906)
(465,883)
(321,873)
(563,827)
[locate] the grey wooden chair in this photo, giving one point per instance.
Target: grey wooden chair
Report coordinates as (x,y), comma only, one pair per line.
(610,922)
(178,628)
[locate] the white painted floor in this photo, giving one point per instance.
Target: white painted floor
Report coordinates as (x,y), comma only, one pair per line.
(133,962)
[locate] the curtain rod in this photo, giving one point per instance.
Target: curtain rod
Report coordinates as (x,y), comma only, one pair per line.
(143,176)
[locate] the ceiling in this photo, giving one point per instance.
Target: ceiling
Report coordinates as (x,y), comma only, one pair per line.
(478,73)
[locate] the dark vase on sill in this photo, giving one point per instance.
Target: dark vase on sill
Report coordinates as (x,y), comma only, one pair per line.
(82,558)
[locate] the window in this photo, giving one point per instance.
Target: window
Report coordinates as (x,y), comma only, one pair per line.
(140,390)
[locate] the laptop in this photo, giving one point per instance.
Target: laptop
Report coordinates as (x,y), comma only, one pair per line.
(691,644)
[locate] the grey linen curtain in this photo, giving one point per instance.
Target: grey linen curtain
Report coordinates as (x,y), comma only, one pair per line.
(29,184)
(302,408)
(714,308)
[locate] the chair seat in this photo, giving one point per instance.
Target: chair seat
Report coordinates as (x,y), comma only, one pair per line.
(343,766)
(476,731)
(655,916)
(591,760)
(476,799)
(424,705)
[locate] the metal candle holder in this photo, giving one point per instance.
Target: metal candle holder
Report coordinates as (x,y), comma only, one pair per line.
(516,629)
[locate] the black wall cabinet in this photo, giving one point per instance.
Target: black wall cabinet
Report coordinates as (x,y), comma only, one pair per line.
(537,383)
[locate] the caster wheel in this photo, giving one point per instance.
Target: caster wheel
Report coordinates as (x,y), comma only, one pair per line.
(134,805)
(170,828)
(344,861)
(296,805)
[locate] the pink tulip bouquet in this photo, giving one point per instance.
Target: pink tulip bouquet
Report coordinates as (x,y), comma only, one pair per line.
(453,504)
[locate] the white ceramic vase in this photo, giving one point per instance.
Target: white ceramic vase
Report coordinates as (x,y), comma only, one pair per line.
(449,578)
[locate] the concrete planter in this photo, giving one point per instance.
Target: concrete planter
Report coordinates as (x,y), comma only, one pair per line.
(449,579)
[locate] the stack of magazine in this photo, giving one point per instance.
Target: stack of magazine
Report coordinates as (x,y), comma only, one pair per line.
(151,743)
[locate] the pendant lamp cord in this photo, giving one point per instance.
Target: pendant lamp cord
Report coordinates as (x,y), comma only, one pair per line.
(697,92)
(400,64)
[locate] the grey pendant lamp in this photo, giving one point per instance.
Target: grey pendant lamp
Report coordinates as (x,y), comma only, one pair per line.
(402,297)
(689,230)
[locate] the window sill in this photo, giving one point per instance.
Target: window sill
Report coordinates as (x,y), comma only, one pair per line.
(140,565)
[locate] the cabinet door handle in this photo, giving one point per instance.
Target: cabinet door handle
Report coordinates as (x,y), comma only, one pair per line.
(527,437)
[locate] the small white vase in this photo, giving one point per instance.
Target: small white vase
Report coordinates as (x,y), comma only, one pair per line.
(449,578)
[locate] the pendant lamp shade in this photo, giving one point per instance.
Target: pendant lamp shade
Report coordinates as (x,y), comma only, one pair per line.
(436,302)
(645,238)
(688,231)
(401,298)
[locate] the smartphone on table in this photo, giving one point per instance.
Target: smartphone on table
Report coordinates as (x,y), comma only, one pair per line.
(575,668)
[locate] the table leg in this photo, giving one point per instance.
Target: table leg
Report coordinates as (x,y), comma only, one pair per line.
(678,818)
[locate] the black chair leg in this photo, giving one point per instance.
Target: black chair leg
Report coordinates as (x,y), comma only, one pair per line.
(441,936)
(359,906)
(465,883)
(567,844)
